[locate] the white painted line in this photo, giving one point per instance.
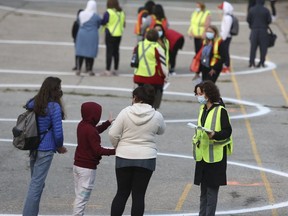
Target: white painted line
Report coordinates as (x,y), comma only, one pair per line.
(227,212)
(261,109)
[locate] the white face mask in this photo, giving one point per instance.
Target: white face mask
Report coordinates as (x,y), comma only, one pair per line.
(160,33)
(197,9)
(201,99)
(210,35)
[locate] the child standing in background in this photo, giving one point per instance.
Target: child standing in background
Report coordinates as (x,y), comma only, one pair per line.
(88,153)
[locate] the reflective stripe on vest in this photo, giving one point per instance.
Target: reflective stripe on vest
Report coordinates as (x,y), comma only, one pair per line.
(209,150)
(116,22)
(216,55)
(198,20)
(147,59)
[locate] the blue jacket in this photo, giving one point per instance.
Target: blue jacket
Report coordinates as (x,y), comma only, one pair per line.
(53,120)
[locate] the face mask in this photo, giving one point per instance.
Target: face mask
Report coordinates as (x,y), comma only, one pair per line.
(160,33)
(210,35)
(197,9)
(201,99)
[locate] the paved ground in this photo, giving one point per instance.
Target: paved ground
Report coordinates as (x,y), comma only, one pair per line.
(35,43)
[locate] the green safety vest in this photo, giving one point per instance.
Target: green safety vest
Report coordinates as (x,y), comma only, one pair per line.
(116,21)
(147,58)
(197,22)
(210,150)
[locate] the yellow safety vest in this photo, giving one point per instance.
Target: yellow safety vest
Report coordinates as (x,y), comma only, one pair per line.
(210,150)
(147,58)
(216,55)
(116,21)
(197,22)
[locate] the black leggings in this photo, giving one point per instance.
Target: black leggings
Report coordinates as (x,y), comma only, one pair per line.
(132,180)
(88,61)
(112,51)
(273,7)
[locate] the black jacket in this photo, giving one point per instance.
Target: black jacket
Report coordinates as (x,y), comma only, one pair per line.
(259,17)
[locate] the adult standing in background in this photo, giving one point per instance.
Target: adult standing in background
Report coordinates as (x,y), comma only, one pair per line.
(88,38)
(226,25)
(157,17)
(74,31)
(258,19)
(48,107)
(143,13)
(114,23)
(200,21)
(211,147)
(152,68)
(133,135)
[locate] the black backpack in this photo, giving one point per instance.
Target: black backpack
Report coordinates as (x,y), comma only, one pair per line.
(235,26)
(25,134)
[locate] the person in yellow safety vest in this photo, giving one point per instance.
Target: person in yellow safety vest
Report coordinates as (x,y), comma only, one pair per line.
(143,13)
(211,144)
(200,21)
(163,42)
(152,68)
(157,17)
(114,23)
(212,56)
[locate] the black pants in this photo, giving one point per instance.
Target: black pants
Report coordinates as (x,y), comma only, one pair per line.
(88,61)
(273,7)
(208,200)
(112,51)
(258,38)
(132,180)
(173,54)
(226,48)
(197,44)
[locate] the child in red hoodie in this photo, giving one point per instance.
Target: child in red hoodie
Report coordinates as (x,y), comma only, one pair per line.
(88,153)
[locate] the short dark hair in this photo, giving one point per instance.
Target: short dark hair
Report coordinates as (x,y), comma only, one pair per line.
(152,35)
(144,94)
(210,90)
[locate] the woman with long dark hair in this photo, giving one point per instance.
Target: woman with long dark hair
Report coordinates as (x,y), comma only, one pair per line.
(49,110)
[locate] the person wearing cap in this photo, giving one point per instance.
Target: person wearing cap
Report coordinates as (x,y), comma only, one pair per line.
(200,21)
(226,25)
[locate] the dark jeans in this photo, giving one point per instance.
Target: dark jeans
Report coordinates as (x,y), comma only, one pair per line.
(197,44)
(132,180)
(112,51)
(258,38)
(208,200)
(226,48)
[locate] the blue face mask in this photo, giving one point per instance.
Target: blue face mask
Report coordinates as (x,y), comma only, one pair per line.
(201,99)
(160,33)
(210,35)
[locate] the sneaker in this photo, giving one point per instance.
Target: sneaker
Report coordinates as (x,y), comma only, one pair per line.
(115,73)
(106,73)
(226,69)
(91,73)
(172,73)
(251,65)
(261,65)
(74,68)
(78,72)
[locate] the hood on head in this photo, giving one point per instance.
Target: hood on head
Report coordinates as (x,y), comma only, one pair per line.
(261,2)
(226,7)
(140,113)
(91,112)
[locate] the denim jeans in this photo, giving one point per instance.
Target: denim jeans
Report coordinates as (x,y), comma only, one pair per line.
(39,165)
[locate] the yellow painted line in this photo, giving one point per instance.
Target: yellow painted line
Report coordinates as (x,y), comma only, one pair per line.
(254,147)
(282,89)
(183,197)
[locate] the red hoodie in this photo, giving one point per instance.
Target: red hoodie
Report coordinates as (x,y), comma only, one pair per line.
(89,150)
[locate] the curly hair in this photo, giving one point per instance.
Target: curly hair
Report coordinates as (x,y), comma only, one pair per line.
(210,89)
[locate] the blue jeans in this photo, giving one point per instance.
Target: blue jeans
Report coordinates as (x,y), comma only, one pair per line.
(39,165)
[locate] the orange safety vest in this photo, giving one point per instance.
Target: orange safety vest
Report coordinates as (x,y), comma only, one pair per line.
(137,28)
(154,21)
